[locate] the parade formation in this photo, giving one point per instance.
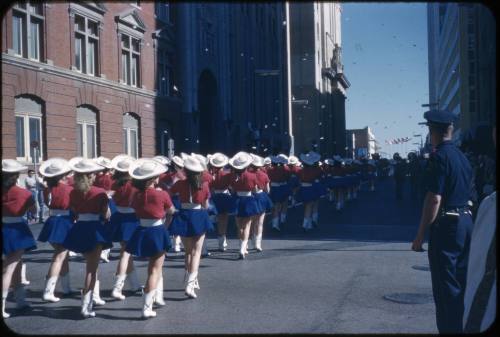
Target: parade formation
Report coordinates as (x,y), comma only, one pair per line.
(150,206)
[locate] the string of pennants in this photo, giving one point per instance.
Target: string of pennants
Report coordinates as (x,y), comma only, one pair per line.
(397,140)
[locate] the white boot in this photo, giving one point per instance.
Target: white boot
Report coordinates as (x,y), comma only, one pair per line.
(48,294)
(158,298)
(196,283)
(147,308)
(23,275)
(87,305)
(283,217)
(96,298)
(276,224)
(315,217)
(338,206)
(305,224)
(225,241)
(221,243)
(133,281)
(309,223)
(4,297)
(117,288)
(190,284)
(105,255)
(177,244)
(65,285)
(20,296)
(258,242)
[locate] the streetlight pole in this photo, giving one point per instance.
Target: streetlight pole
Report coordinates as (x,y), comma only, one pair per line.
(289,79)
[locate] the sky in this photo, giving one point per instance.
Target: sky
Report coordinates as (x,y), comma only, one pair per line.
(384,52)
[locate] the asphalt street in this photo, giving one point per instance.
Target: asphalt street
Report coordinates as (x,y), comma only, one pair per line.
(332,280)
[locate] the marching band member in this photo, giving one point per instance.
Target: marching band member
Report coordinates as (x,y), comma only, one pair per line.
(57,226)
(192,221)
(280,191)
(243,184)
(283,159)
(294,181)
(178,168)
(320,188)
(123,223)
(308,192)
(104,180)
(265,203)
(88,235)
(153,207)
(16,235)
(329,180)
(338,182)
(220,195)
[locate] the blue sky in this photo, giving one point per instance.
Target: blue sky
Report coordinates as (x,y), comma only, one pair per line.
(385,59)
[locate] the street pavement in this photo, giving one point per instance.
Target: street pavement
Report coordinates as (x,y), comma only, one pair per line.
(331,280)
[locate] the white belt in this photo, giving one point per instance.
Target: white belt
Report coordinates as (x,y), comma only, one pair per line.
(316,181)
(244,194)
(58,212)
(12,219)
(306,184)
(187,205)
(150,222)
(328,175)
(259,191)
(226,191)
(277,184)
(88,217)
(126,210)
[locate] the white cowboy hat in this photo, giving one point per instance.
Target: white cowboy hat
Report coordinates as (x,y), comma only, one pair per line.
(162,160)
(54,167)
(257,161)
(203,161)
(275,159)
(192,163)
(12,166)
(267,161)
(178,161)
(240,160)
(145,168)
(308,158)
(122,162)
(283,159)
(315,155)
(337,158)
(293,160)
(184,155)
(84,165)
(219,160)
(103,161)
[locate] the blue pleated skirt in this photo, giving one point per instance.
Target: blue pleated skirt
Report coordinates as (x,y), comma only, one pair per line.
(149,241)
(191,222)
(176,201)
(280,194)
(265,203)
(294,182)
(112,206)
(84,236)
(247,206)
(212,210)
(55,229)
(338,182)
(320,188)
(224,203)
(307,194)
(16,236)
(122,226)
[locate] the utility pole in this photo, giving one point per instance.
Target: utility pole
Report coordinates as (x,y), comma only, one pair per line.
(289,79)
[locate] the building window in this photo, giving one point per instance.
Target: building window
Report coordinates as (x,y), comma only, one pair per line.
(165,73)
(130,135)
(162,10)
(27,30)
(86,132)
(86,44)
(130,60)
(28,114)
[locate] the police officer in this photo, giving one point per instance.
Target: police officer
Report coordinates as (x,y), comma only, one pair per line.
(448,180)
(399,175)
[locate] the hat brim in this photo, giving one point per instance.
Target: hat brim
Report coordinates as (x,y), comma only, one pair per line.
(224,163)
(132,171)
(95,168)
(46,164)
(240,167)
(15,170)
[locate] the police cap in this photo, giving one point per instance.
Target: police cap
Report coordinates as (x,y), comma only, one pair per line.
(439,117)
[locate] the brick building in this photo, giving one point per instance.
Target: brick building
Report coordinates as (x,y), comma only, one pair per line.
(83,78)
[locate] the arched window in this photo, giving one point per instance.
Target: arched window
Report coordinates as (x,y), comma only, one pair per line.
(130,135)
(86,130)
(28,113)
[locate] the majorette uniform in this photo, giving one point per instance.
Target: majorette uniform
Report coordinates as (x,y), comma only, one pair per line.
(223,200)
(280,189)
(105,181)
(243,185)
(123,221)
(60,220)
(311,188)
(263,199)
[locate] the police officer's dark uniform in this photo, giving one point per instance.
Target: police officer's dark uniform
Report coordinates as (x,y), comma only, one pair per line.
(399,175)
(449,175)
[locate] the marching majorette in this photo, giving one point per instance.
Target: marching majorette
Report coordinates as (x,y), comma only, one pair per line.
(57,226)
(88,235)
(328,177)
(280,190)
(283,160)
(178,168)
(192,221)
(309,191)
(123,224)
(16,235)
(224,202)
(338,182)
(294,166)
(265,203)
(243,184)
(153,207)
(104,180)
